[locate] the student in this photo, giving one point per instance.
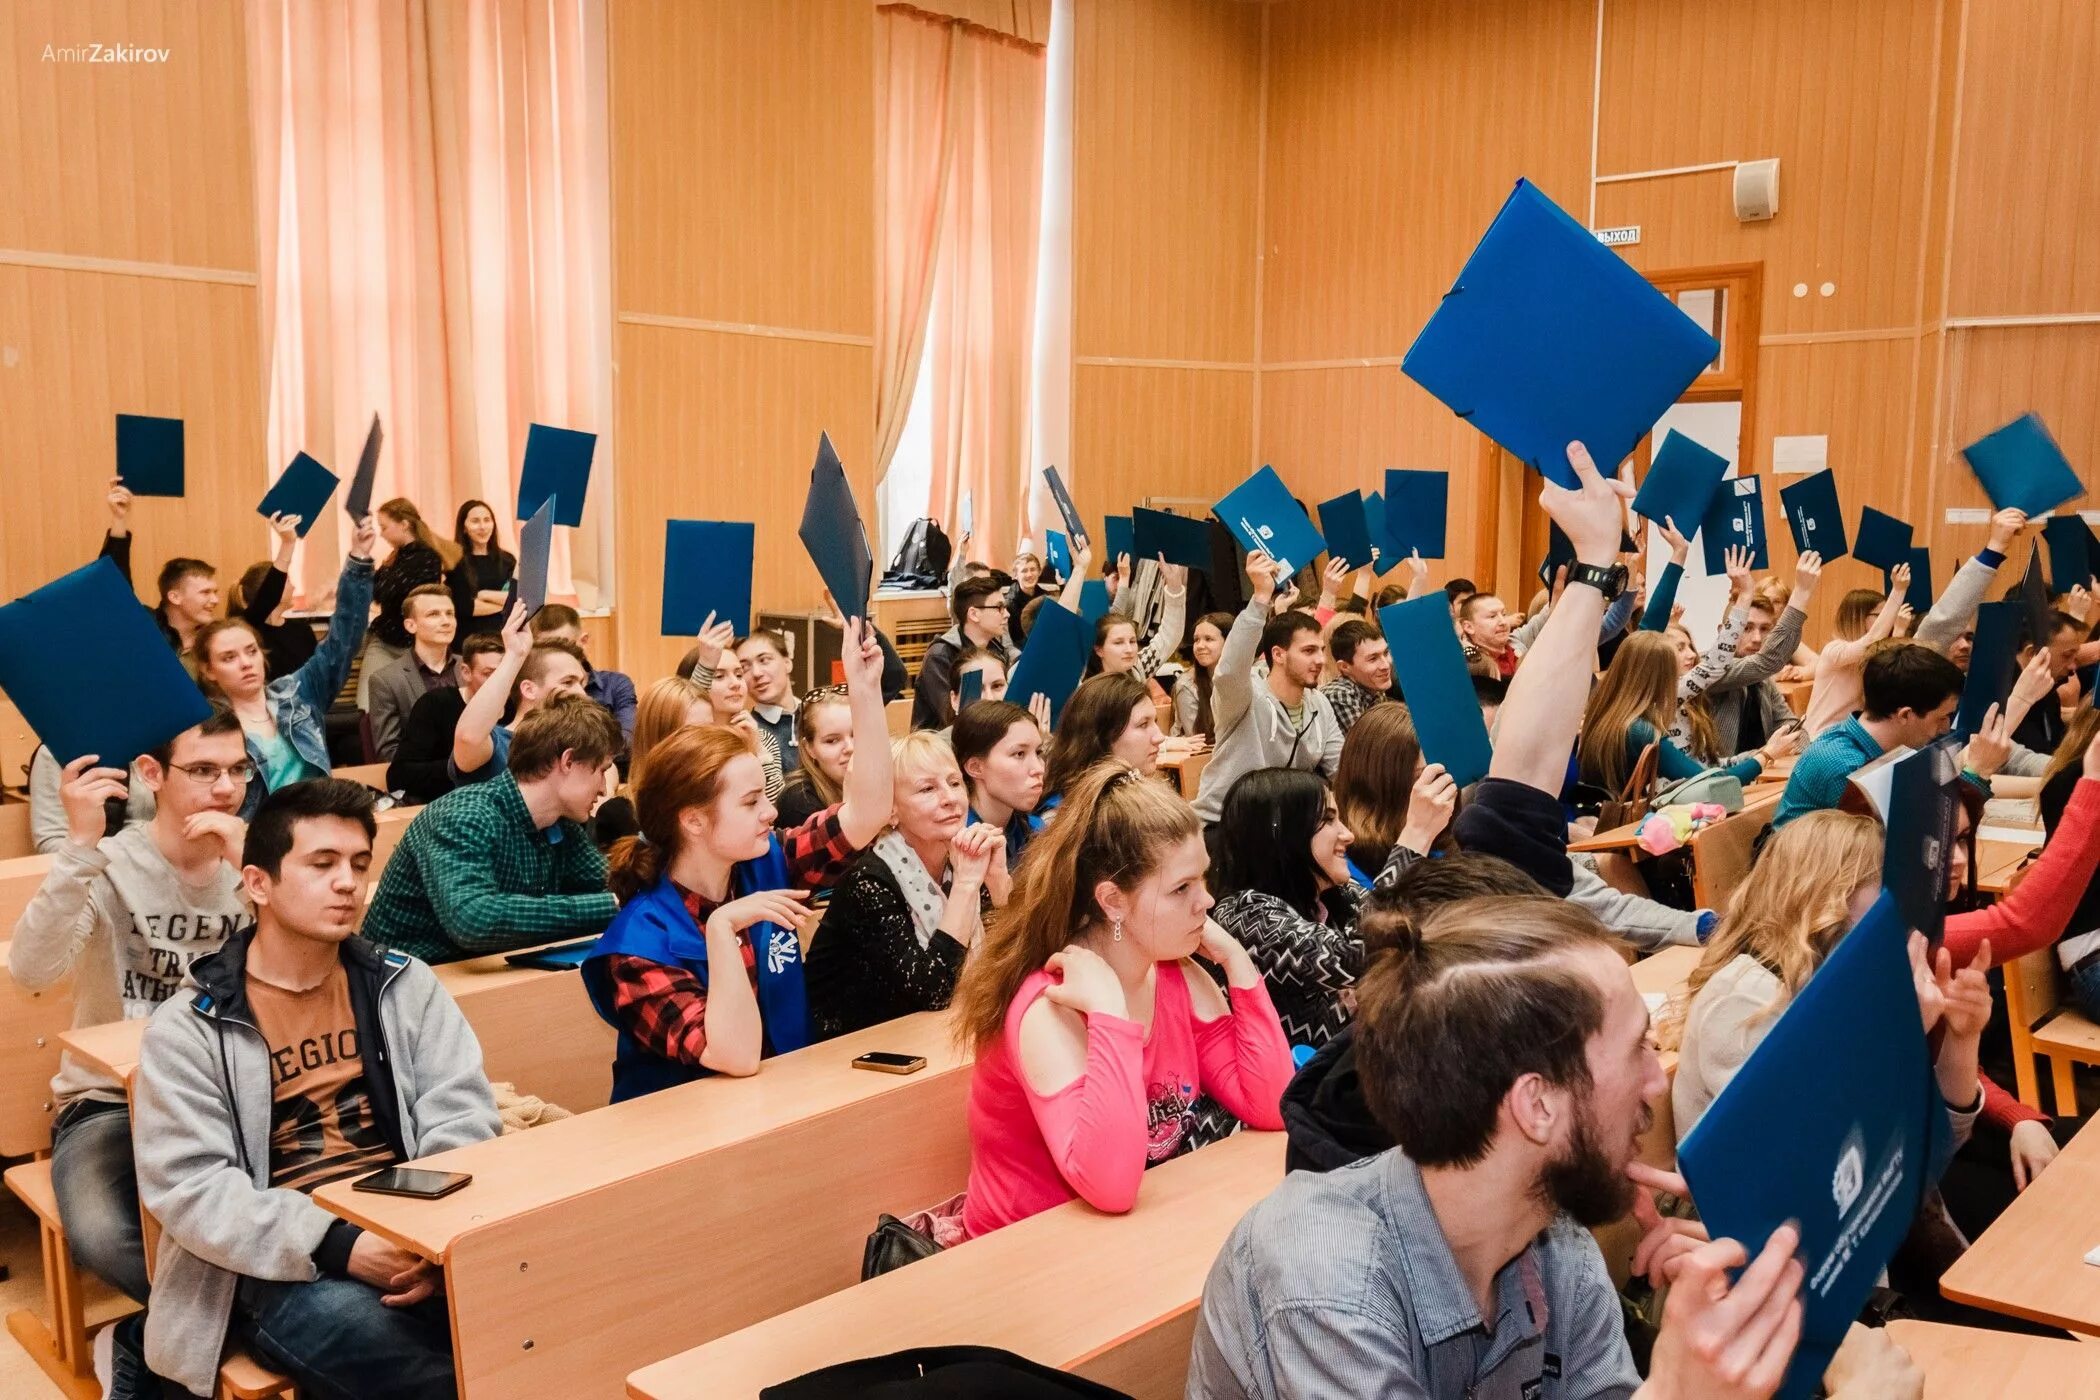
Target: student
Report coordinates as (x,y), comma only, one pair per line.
(1027,575)
(1116,648)
(295,1056)
(1376,786)
(972,660)
(1192,690)
(729,697)
(766,674)
(480,581)
(506,863)
(422,766)
(558,622)
(48,824)
(670,705)
(418,558)
(286,720)
(910,907)
(1363,665)
(1484,629)
(1948,627)
(262,596)
(1284,891)
(2043,728)
(428,618)
(1636,705)
(999,747)
(1742,707)
(980,609)
(1864,618)
(824,738)
(122,915)
(530,674)
(188,589)
(708,885)
(1280,720)
(1107,717)
(1094,1033)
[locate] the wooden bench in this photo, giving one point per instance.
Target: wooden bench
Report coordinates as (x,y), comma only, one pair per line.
(591,1246)
(1113,1298)
(1963,1362)
(58,1345)
(2043,1028)
(2031,1262)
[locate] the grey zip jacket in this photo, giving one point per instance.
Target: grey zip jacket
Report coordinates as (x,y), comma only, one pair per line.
(204,1063)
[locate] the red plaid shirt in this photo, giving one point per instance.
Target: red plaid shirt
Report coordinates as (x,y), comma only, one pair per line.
(665,1008)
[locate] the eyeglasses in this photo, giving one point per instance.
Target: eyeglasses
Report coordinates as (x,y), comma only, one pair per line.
(208,774)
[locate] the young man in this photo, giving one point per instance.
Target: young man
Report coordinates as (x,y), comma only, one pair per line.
(539,671)
(558,622)
(1279,721)
(2043,728)
(123,916)
(1954,611)
(422,763)
(1747,707)
(507,864)
(296,1056)
(428,618)
(1365,665)
(773,700)
(979,606)
(1484,628)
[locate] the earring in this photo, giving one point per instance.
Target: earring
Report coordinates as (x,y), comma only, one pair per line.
(1116,930)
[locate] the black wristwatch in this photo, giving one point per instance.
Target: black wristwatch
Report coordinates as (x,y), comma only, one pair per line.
(1610,582)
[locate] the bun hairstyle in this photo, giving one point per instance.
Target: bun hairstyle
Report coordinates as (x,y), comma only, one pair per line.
(1389,914)
(685,770)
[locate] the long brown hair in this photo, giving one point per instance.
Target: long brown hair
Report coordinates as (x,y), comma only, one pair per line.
(1374,782)
(661,714)
(1116,825)
(684,771)
(1640,684)
(2070,751)
(1086,734)
(1855,613)
(403,511)
(1200,674)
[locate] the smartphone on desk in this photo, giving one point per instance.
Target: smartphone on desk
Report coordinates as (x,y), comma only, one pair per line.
(412,1182)
(887,1062)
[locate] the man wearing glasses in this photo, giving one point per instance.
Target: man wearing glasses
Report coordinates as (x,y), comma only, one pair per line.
(124,916)
(979,606)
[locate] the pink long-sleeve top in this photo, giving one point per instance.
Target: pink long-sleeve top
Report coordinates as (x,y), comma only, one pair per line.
(1132,1105)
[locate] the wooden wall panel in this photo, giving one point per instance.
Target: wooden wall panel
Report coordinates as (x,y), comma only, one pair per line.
(1146,431)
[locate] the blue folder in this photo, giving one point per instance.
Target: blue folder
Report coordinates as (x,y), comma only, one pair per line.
(1680,484)
(2033,594)
(1924,800)
(301,489)
(1052,660)
(1385,554)
(1918,594)
(1549,337)
(1094,601)
(1844,1145)
(357,501)
(1883,541)
(1992,661)
(1736,517)
(970,685)
(1560,550)
(1074,526)
(1059,552)
(1417,509)
(2072,550)
(1263,515)
(149,454)
(707,569)
(1347,529)
(833,534)
(1118,535)
(1431,671)
(535,545)
(1813,515)
(1181,540)
(90,672)
(562,957)
(557,468)
(2021,467)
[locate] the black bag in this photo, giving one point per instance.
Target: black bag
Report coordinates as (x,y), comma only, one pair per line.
(941,1373)
(892,1245)
(922,560)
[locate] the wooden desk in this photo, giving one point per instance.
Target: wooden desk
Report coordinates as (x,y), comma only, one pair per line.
(1998,860)
(30,1024)
(1961,1363)
(1113,1298)
(1665,971)
(591,1246)
(2031,1262)
(113,1049)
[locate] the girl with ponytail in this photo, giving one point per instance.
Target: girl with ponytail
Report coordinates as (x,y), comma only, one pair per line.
(708,884)
(1094,1032)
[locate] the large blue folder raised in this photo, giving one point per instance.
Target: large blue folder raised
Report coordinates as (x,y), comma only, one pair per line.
(1992,663)
(1263,515)
(1432,674)
(1347,528)
(1736,517)
(2072,551)
(2021,466)
(1812,513)
(149,454)
(1053,658)
(1549,337)
(1918,594)
(1117,535)
(1385,550)
(89,671)
(707,571)
(557,468)
(1844,1145)
(834,535)
(1882,540)
(1181,540)
(535,551)
(301,489)
(1417,508)
(1681,483)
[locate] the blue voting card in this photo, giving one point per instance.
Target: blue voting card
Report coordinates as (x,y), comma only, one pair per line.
(2021,467)
(1918,593)
(1262,515)
(707,570)
(1059,552)
(357,501)
(1680,484)
(1385,555)
(1183,541)
(969,686)
(1431,671)
(1052,660)
(1347,529)
(2033,594)
(2072,550)
(1844,1145)
(558,469)
(1117,534)
(301,489)
(1094,600)
(1924,799)
(1560,550)
(1993,663)
(149,454)
(1075,528)
(1417,508)
(1549,337)
(1812,513)
(833,534)
(90,672)
(1882,541)
(535,545)
(1736,517)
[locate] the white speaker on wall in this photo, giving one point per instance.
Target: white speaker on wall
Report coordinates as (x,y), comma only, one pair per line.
(1756,189)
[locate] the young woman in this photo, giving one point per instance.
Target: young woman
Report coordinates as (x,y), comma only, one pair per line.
(909,908)
(999,747)
(1107,717)
(1864,617)
(1285,893)
(1192,691)
(417,558)
(1379,793)
(285,720)
(1094,1032)
(670,705)
(1634,706)
(709,885)
(484,569)
(988,666)
(261,597)
(1116,648)
(824,738)
(729,696)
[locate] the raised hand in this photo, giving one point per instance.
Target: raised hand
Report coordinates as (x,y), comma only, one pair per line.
(2006,526)
(1429,806)
(715,637)
(861,655)
(1740,583)
(1967,993)
(365,538)
(1175,576)
(285,527)
(1593,513)
(82,790)
(118,498)
(1680,547)
(1261,572)
(1808,569)
(1989,747)
(1039,706)
(1331,580)
(1899,580)
(517,637)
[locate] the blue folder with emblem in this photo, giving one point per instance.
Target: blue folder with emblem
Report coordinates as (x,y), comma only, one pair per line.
(1813,515)
(1736,517)
(1263,515)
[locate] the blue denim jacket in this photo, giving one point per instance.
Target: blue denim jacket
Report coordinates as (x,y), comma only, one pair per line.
(1341,1284)
(299,702)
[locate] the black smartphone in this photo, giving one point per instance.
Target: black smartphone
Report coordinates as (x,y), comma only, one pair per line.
(886,1062)
(409,1181)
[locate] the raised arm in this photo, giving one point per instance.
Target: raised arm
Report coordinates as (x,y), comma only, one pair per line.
(321,678)
(1663,596)
(1232,679)
(473,738)
(1954,610)
(869,793)
(1082,565)
(1173,620)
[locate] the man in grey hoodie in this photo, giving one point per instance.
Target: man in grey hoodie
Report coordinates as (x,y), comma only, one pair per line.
(295,1056)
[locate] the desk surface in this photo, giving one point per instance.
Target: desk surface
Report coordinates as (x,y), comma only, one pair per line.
(2031,1262)
(1663,972)
(524,1171)
(1963,1362)
(1059,1288)
(1998,859)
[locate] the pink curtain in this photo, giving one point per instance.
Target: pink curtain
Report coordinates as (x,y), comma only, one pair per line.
(432,179)
(913,62)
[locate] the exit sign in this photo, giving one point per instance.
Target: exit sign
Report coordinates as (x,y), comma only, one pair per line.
(1619,237)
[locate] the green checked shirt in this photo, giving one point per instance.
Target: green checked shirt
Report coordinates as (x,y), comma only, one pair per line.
(473,876)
